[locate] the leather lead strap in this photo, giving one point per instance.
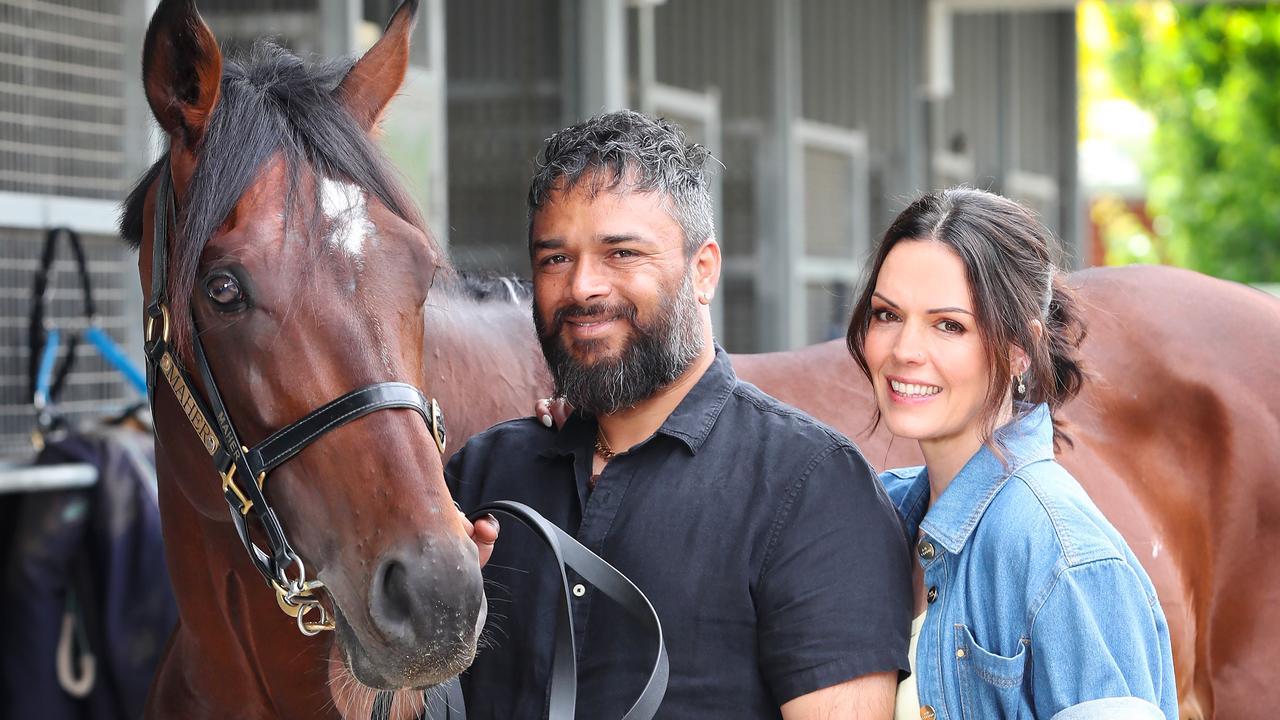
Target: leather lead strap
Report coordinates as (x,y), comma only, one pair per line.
(569,553)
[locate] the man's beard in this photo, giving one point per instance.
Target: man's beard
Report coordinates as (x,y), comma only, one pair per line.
(656,354)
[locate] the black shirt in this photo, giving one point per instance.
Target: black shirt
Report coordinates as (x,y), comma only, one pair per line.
(762,537)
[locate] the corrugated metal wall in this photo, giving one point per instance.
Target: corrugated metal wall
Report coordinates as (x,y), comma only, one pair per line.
(689,56)
(1036,106)
(974,114)
(1013,109)
(861,71)
(505,94)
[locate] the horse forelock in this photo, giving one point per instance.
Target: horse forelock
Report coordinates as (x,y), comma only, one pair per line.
(272,104)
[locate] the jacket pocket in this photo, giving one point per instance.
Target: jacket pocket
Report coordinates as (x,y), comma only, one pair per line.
(991,685)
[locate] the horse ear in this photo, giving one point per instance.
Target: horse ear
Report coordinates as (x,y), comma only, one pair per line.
(181,70)
(376,77)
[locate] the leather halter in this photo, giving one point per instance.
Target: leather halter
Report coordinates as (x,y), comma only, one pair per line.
(244,470)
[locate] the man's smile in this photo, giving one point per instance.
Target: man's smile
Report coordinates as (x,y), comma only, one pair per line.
(584,328)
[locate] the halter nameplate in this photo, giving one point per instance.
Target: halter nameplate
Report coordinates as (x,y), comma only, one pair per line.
(187,400)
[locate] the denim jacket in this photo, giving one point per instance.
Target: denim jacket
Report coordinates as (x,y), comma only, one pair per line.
(1037,608)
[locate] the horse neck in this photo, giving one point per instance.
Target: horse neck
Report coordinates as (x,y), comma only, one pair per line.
(482,363)
(234,653)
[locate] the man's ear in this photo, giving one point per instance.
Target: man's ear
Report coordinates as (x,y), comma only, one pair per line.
(706,270)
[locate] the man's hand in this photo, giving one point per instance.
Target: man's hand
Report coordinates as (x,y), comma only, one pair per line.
(484,533)
(552,411)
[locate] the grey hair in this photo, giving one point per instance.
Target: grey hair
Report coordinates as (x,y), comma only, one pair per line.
(626,150)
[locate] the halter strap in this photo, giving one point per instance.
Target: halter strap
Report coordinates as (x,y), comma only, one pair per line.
(286,442)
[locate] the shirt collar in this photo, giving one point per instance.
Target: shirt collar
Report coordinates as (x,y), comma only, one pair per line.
(690,422)
(694,417)
(952,519)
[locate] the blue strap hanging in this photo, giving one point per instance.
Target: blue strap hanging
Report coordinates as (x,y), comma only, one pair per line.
(47,376)
(113,354)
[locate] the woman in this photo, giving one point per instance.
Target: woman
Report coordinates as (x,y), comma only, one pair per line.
(1027,601)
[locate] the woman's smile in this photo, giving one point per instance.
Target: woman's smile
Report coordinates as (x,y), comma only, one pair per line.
(906,391)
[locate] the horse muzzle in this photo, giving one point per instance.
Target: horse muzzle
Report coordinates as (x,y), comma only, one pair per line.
(422,619)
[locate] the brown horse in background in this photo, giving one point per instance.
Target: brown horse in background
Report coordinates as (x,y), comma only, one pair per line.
(305,271)
(1176,438)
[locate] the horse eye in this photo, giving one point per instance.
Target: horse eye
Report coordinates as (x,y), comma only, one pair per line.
(224,289)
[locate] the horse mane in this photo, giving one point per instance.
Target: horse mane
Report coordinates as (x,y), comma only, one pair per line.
(489,288)
(271,102)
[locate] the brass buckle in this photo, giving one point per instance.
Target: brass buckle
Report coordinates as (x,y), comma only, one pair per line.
(437,426)
(229,483)
(164,332)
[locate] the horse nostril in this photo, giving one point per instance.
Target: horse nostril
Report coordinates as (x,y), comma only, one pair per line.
(423,597)
(395,584)
(392,601)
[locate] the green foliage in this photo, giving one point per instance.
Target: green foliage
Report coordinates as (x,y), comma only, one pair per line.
(1210,75)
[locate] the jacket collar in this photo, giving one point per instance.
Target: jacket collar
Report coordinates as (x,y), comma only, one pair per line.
(952,519)
(690,422)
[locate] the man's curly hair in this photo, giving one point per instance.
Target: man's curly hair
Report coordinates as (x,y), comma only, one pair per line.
(628,151)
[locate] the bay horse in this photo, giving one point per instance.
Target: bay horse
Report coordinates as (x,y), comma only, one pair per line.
(1176,437)
(291,270)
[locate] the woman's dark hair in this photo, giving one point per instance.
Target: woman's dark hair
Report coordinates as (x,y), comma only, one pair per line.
(1010,262)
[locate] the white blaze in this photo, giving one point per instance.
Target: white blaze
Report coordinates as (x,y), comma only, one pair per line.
(345,205)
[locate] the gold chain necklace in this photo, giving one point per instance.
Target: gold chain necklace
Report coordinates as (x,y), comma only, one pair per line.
(602,447)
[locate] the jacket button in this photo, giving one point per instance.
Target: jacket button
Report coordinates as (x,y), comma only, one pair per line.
(927,713)
(579,590)
(932,594)
(925,548)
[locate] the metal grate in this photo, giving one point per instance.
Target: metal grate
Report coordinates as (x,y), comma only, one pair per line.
(95,387)
(61,98)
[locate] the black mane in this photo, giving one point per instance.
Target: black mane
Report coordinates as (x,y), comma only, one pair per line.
(271,102)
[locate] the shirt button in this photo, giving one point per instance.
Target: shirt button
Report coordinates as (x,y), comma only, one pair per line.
(925,548)
(932,594)
(579,590)
(927,713)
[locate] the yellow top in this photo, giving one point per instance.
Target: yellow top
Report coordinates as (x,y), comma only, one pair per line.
(907,704)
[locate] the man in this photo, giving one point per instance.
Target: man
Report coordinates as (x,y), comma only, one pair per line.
(762,538)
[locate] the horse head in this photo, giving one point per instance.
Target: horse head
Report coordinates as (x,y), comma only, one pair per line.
(303,271)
